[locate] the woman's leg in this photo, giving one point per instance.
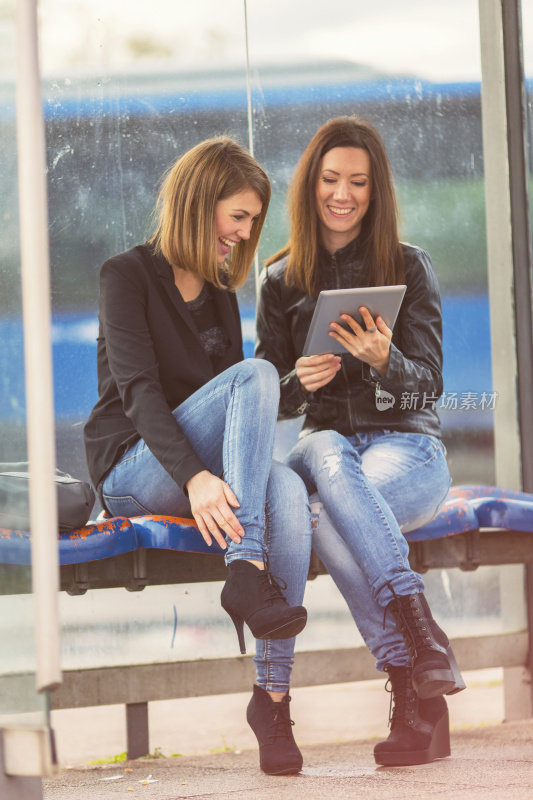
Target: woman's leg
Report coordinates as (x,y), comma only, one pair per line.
(289,549)
(379,630)
(412,476)
(330,464)
(361,515)
(230,423)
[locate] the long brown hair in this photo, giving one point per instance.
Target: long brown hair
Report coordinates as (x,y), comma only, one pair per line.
(379,231)
(185,212)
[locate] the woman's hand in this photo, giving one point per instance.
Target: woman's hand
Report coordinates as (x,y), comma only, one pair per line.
(211,499)
(316,371)
(370,344)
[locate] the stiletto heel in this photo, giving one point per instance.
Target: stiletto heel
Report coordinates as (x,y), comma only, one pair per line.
(239,627)
(254,596)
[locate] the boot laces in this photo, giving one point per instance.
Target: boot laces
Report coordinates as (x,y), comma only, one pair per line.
(272,586)
(281,722)
(413,626)
(403,700)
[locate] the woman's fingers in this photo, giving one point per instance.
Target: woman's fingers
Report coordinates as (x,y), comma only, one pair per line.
(208,528)
(210,499)
(316,371)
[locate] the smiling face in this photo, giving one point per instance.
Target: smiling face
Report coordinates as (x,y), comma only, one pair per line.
(342,195)
(234,217)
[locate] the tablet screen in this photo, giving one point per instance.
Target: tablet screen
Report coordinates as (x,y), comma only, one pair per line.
(384,301)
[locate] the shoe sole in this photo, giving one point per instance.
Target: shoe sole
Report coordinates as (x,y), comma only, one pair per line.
(285,631)
(287,771)
(439,747)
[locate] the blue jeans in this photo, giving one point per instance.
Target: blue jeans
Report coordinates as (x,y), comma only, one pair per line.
(368,488)
(230,423)
(288,527)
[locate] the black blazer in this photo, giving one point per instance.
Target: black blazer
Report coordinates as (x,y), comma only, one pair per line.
(150,359)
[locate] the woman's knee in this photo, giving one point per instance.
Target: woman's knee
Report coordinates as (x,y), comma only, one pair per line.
(286,486)
(263,373)
(319,451)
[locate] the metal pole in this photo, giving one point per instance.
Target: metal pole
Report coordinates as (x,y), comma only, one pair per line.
(37,346)
(515,93)
(509,261)
(250,123)
(521,232)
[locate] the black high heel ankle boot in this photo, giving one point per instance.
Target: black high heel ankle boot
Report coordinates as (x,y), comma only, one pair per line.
(254,596)
(435,669)
(419,729)
(272,724)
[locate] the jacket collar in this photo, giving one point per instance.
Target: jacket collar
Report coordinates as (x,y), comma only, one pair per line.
(228,318)
(349,252)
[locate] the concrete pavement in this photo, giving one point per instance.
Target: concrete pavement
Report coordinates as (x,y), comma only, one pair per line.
(486,762)
(336,728)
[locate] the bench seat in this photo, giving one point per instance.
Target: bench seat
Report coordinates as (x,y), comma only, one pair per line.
(136,552)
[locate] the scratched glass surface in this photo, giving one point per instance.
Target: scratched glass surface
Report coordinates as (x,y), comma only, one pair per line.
(124,95)
(19,702)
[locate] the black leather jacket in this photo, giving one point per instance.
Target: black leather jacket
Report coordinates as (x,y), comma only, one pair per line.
(354,401)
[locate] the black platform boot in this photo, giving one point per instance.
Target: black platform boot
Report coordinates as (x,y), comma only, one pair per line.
(419,729)
(254,596)
(435,669)
(272,724)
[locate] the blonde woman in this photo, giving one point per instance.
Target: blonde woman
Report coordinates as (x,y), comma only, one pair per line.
(183,425)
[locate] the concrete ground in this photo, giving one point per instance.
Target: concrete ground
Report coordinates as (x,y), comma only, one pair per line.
(204,749)
(486,762)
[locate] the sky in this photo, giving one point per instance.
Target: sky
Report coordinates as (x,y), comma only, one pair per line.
(432,39)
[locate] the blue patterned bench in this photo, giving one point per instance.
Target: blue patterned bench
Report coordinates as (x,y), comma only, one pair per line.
(477,525)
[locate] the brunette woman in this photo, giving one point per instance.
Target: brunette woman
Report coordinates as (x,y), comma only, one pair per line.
(375,469)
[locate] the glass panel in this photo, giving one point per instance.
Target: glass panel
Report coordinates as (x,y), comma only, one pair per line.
(397,67)
(19,702)
(126,93)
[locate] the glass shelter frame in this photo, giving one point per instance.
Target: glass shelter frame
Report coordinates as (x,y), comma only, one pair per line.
(504,123)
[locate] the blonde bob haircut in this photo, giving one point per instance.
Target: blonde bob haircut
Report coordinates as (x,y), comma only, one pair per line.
(185,211)
(379,231)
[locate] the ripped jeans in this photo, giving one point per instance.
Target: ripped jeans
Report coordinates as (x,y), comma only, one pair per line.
(365,490)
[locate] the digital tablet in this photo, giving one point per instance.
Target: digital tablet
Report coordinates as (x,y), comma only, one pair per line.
(384,301)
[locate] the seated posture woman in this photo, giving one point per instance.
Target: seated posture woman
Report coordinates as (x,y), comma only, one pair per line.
(183,425)
(378,468)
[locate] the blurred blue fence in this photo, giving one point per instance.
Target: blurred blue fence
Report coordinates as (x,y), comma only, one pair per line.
(467,364)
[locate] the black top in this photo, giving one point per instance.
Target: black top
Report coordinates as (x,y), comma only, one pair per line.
(203,310)
(150,358)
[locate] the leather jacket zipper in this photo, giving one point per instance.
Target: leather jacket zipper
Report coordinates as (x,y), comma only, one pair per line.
(343,366)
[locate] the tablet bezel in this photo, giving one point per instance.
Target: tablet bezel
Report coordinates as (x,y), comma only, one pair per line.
(384,301)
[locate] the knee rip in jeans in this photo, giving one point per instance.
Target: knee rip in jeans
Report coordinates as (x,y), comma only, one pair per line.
(332,462)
